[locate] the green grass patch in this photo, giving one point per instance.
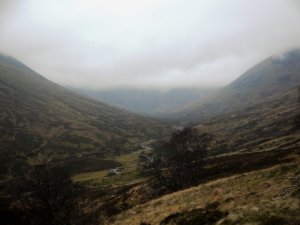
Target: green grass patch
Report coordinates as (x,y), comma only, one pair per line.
(100,179)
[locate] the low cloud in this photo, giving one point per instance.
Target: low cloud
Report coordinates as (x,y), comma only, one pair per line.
(171,43)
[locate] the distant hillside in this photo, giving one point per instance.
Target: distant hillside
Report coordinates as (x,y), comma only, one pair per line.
(42,121)
(149,102)
(271,76)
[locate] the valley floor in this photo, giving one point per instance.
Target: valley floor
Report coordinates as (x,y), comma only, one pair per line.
(100,179)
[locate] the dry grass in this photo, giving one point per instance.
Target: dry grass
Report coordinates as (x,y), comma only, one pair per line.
(236,194)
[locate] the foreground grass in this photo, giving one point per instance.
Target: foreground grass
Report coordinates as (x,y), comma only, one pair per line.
(256,198)
(99,179)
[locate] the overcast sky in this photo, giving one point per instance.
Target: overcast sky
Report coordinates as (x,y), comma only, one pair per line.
(146,43)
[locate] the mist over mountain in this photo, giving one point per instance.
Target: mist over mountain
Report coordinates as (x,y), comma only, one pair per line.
(147,101)
(271,76)
(148,44)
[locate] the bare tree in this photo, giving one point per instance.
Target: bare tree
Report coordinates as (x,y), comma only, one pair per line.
(178,163)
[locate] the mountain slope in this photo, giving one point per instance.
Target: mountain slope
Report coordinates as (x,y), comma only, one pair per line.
(271,76)
(269,124)
(40,120)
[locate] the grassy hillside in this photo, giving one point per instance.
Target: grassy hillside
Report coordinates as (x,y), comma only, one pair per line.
(269,124)
(253,182)
(267,196)
(271,76)
(122,199)
(41,121)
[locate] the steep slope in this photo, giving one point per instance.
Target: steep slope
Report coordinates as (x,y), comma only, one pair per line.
(150,102)
(40,120)
(270,124)
(271,76)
